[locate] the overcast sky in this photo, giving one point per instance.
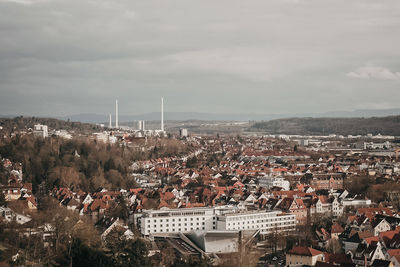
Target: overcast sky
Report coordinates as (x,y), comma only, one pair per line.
(64,57)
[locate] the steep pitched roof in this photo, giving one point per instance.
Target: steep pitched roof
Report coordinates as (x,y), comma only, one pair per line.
(393,252)
(304,251)
(387,236)
(286,203)
(336,229)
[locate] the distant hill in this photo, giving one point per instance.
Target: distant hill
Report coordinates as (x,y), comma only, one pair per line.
(323,126)
(23,123)
(169,116)
(184,116)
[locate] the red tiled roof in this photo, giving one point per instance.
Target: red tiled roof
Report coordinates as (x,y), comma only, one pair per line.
(167,196)
(393,252)
(371,239)
(387,236)
(336,229)
(135,190)
(28,186)
(98,204)
(304,251)
(372,211)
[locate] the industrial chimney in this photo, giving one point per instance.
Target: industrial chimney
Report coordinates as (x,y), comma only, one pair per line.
(116,113)
(110,125)
(162,114)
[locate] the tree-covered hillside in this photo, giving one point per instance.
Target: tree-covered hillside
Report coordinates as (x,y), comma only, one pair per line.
(323,126)
(80,163)
(24,123)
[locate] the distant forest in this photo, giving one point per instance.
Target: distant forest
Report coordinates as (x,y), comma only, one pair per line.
(323,126)
(21,123)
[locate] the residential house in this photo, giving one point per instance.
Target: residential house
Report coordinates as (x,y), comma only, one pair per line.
(299,256)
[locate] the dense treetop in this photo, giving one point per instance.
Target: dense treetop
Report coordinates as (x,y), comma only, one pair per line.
(81,163)
(24,123)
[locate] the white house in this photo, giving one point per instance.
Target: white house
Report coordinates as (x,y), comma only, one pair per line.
(269,182)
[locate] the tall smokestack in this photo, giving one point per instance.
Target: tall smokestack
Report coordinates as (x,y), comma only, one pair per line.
(162,114)
(116,113)
(110,125)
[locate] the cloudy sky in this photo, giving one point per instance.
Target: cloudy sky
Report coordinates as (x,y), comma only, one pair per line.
(63,57)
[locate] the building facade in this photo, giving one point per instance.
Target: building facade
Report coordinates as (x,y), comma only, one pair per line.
(267,222)
(41,130)
(181,220)
(269,182)
(332,182)
(224,218)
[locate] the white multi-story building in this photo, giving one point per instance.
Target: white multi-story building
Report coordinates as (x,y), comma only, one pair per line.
(41,130)
(63,134)
(267,222)
(372,145)
(269,182)
(356,202)
(183,132)
(102,137)
(181,220)
(218,218)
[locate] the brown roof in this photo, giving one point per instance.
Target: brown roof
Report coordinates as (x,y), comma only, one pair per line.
(393,252)
(304,251)
(336,229)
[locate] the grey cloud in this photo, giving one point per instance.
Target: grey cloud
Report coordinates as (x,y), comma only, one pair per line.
(374,72)
(75,56)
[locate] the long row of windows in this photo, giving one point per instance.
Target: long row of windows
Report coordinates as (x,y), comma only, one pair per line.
(279,218)
(263,229)
(173,225)
(177,230)
(186,213)
(264,225)
(177,219)
(249,217)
